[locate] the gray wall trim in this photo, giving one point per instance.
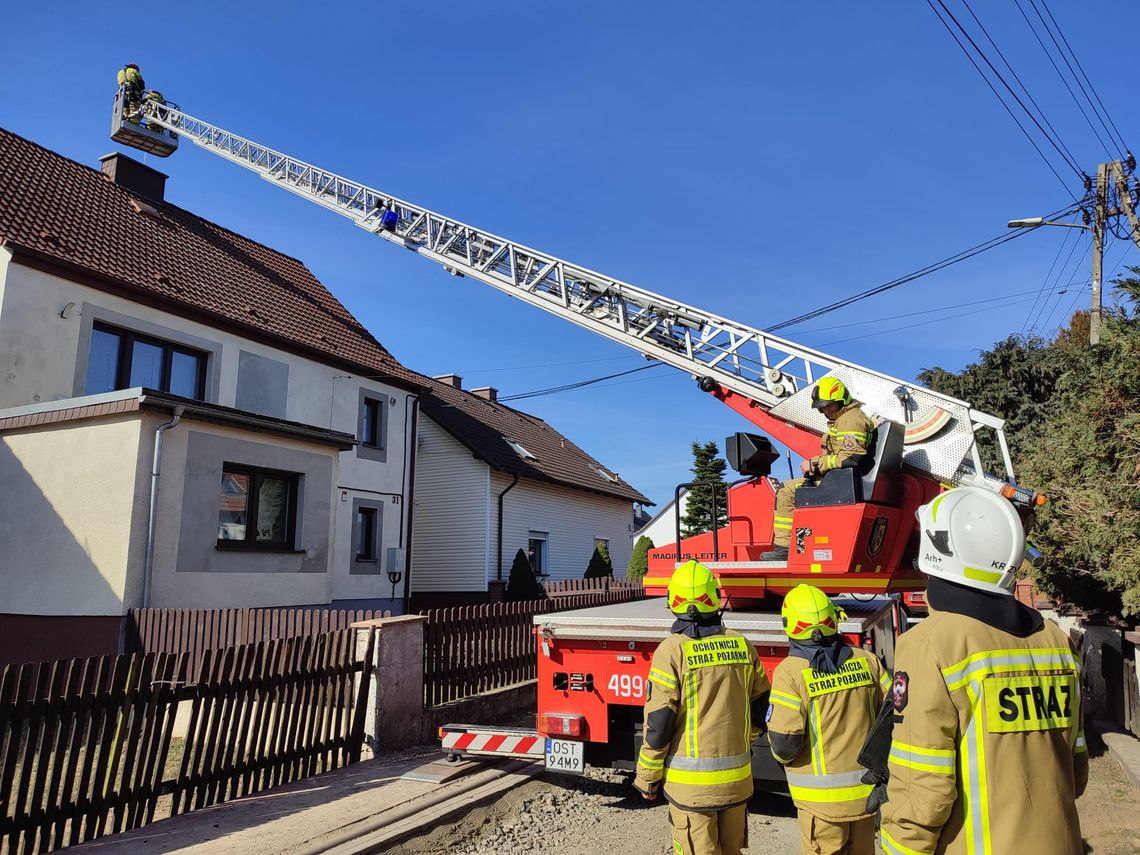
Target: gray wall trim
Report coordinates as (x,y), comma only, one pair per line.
(206,455)
(91,312)
(367,452)
(262,385)
(367,568)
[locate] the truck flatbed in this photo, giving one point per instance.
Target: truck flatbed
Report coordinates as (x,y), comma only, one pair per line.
(650,620)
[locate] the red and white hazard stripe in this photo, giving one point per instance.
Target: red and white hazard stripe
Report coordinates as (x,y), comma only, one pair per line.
(485,741)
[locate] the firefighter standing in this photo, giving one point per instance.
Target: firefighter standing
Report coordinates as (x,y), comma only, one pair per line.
(705,702)
(848,438)
(988,752)
(825,696)
(131,81)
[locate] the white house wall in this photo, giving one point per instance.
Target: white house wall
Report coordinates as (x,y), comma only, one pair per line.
(662,529)
(43,358)
(72,517)
(449,540)
(572,520)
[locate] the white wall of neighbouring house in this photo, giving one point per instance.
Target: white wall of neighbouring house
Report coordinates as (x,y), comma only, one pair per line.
(572,519)
(72,517)
(43,357)
(450,547)
(662,529)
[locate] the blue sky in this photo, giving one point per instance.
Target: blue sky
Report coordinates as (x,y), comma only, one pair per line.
(756,159)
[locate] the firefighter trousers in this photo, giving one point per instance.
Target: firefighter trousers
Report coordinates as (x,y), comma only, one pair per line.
(718,832)
(821,837)
(782,519)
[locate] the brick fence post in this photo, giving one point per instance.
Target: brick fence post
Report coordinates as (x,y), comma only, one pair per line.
(395,710)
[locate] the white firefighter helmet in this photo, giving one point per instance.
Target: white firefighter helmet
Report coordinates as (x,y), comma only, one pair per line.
(972,537)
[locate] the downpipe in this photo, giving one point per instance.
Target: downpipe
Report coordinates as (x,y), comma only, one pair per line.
(148,564)
(509,487)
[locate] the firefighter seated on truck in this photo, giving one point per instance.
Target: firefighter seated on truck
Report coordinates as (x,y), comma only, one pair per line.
(825,695)
(848,438)
(704,707)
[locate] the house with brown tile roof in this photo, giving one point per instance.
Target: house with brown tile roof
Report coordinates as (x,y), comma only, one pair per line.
(137,337)
(491,480)
(189,418)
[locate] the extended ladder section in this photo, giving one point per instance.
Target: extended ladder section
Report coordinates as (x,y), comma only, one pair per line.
(775,373)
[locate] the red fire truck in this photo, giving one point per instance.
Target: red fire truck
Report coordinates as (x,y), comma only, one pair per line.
(854,531)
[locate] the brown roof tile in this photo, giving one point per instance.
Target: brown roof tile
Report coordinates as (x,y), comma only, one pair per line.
(485,427)
(73,215)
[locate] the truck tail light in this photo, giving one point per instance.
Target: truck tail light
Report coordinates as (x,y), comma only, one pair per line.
(562,724)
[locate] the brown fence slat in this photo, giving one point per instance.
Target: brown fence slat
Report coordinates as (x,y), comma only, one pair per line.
(474,649)
(84,744)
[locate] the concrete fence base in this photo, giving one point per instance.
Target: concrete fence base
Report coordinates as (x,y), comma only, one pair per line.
(394,713)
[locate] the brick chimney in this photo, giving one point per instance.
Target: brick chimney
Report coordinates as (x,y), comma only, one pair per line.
(134,176)
(450,380)
(487,393)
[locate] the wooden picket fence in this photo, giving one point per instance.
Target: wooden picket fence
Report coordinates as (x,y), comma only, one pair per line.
(469,650)
(87,746)
(194,631)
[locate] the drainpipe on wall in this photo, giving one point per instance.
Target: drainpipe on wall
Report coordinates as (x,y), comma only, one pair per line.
(409,492)
(154,471)
(509,487)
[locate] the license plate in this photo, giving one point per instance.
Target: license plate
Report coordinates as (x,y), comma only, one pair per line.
(565,756)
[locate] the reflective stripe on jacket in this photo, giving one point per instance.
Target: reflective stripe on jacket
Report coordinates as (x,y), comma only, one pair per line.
(825,718)
(700,720)
(988,754)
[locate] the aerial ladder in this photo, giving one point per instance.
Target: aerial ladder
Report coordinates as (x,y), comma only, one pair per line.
(853,532)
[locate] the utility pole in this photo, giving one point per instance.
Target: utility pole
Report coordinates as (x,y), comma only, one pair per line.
(1098,223)
(1109,176)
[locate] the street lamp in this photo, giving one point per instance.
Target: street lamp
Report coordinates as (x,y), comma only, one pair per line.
(1035,222)
(1097,229)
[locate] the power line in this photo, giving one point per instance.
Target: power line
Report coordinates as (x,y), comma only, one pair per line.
(1024,88)
(543,365)
(1064,82)
(997,95)
(924,311)
(956,258)
(1045,281)
(1061,33)
(1046,311)
(567,387)
(924,323)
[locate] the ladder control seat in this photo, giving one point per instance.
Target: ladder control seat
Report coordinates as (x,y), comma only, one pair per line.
(875,477)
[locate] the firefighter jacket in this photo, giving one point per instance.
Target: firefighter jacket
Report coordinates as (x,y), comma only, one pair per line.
(704,708)
(987,752)
(131,77)
(848,436)
(816,725)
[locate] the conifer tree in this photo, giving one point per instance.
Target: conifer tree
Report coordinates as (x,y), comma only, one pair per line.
(600,565)
(639,560)
(522,583)
(707,467)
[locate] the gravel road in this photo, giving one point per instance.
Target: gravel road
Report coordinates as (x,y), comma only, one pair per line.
(600,815)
